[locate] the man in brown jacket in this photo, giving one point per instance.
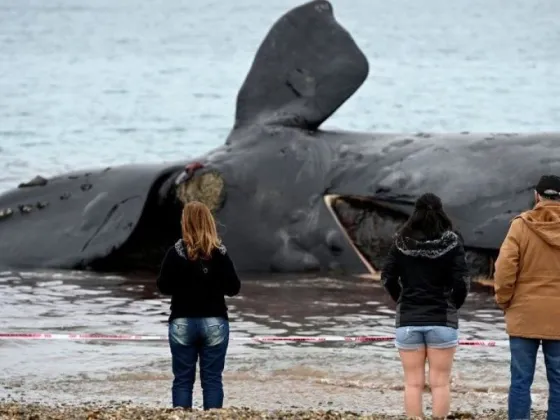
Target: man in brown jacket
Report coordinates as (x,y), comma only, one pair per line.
(527,288)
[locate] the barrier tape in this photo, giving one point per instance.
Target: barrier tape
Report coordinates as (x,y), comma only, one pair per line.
(312,339)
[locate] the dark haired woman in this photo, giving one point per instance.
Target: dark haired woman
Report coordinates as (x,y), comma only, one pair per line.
(427,275)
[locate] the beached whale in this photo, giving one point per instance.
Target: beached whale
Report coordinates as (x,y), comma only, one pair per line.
(288,196)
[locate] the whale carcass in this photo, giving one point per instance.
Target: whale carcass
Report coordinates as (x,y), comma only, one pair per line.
(288,196)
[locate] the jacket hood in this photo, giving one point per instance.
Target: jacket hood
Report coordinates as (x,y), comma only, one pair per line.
(544,221)
(434,248)
(181,249)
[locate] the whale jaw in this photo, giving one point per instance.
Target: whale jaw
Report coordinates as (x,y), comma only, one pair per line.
(369,228)
(366,225)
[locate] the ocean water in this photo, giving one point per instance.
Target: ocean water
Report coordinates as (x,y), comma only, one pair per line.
(102,83)
(283,305)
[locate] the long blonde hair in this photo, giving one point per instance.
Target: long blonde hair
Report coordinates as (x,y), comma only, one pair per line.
(199,230)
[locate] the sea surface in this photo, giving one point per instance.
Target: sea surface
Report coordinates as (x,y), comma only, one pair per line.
(88,84)
(105,82)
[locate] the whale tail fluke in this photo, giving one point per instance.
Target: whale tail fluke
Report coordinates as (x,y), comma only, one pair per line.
(307,66)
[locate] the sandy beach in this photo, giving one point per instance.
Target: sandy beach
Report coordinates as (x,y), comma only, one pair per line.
(291,393)
(13,411)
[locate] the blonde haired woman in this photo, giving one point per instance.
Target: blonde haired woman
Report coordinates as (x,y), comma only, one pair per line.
(197,272)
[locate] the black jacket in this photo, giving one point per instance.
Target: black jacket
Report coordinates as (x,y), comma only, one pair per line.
(197,288)
(428,279)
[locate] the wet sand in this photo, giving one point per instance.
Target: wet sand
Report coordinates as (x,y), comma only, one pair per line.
(360,377)
(264,392)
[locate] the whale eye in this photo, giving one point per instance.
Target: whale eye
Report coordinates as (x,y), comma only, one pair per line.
(206,188)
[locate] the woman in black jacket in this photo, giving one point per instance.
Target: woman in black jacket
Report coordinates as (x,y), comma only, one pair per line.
(197,272)
(427,275)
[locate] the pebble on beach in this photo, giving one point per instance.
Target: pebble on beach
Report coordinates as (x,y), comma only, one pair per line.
(22,411)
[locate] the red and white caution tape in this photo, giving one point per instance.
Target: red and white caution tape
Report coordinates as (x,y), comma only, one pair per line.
(258,339)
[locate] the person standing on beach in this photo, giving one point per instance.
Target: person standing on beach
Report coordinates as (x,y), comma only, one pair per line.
(527,289)
(426,274)
(197,272)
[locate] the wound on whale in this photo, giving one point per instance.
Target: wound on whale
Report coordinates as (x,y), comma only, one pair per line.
(288,196)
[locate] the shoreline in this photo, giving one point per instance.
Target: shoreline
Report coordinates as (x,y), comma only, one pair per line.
(128,411)
(246,397)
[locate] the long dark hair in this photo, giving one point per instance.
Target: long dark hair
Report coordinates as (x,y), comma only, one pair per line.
(428,220)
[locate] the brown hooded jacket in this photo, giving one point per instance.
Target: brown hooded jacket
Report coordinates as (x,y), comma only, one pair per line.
(527,277)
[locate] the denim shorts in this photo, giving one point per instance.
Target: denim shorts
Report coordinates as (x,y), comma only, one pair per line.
(416,337)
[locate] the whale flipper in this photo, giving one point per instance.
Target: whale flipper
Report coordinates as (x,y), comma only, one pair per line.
(307,66)
(72,220)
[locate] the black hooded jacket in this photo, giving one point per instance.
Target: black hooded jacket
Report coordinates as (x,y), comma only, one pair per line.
(197,288)
(428,279)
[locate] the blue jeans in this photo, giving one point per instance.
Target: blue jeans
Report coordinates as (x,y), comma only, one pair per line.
(523,361)
(417,337)
(189,339)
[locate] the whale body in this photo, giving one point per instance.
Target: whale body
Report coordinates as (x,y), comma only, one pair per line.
(287,195)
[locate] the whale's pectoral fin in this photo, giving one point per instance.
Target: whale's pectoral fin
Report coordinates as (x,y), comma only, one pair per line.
(305,69)
(79,219)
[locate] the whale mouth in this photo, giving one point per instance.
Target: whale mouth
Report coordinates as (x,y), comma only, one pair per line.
(367,226)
